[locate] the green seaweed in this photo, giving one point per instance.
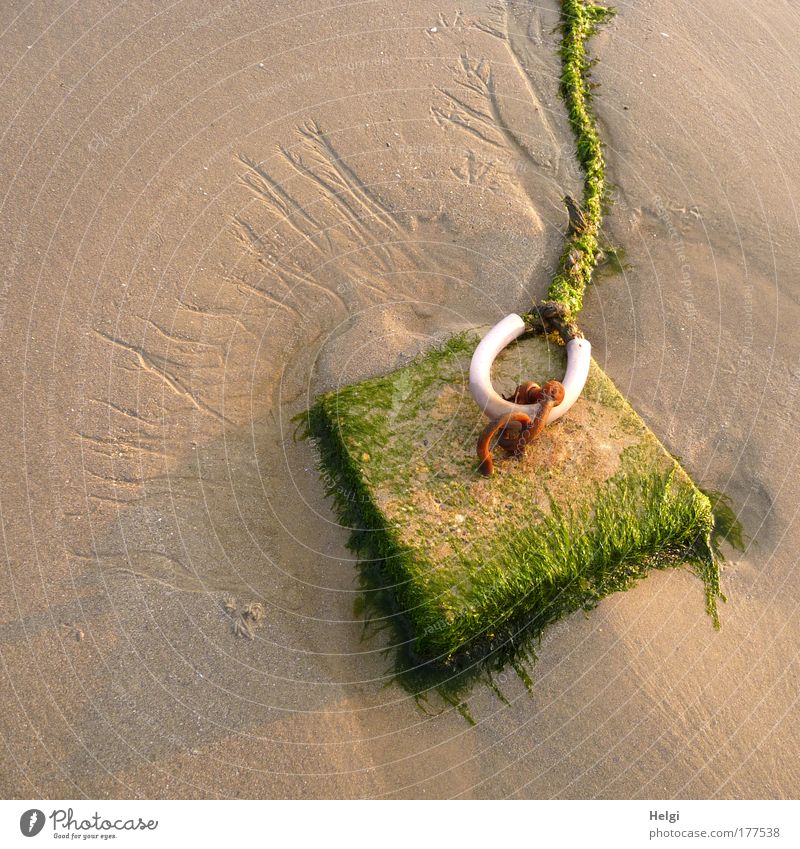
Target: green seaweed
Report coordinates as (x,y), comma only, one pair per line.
(727,526)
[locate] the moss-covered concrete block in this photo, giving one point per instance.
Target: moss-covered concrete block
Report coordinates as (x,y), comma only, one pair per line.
(471,566)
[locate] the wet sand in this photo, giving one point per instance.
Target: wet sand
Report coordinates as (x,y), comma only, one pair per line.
(209,216)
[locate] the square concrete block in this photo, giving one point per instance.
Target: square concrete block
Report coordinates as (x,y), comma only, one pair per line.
(472,568)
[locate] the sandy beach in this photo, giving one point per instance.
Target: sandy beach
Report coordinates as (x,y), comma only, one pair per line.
(213,213)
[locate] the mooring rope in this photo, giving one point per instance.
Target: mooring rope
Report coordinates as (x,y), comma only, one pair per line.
(582,251)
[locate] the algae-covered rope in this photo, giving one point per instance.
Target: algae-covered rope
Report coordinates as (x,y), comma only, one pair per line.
(581,252)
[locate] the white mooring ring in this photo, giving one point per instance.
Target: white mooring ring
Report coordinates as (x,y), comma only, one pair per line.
(579,354)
